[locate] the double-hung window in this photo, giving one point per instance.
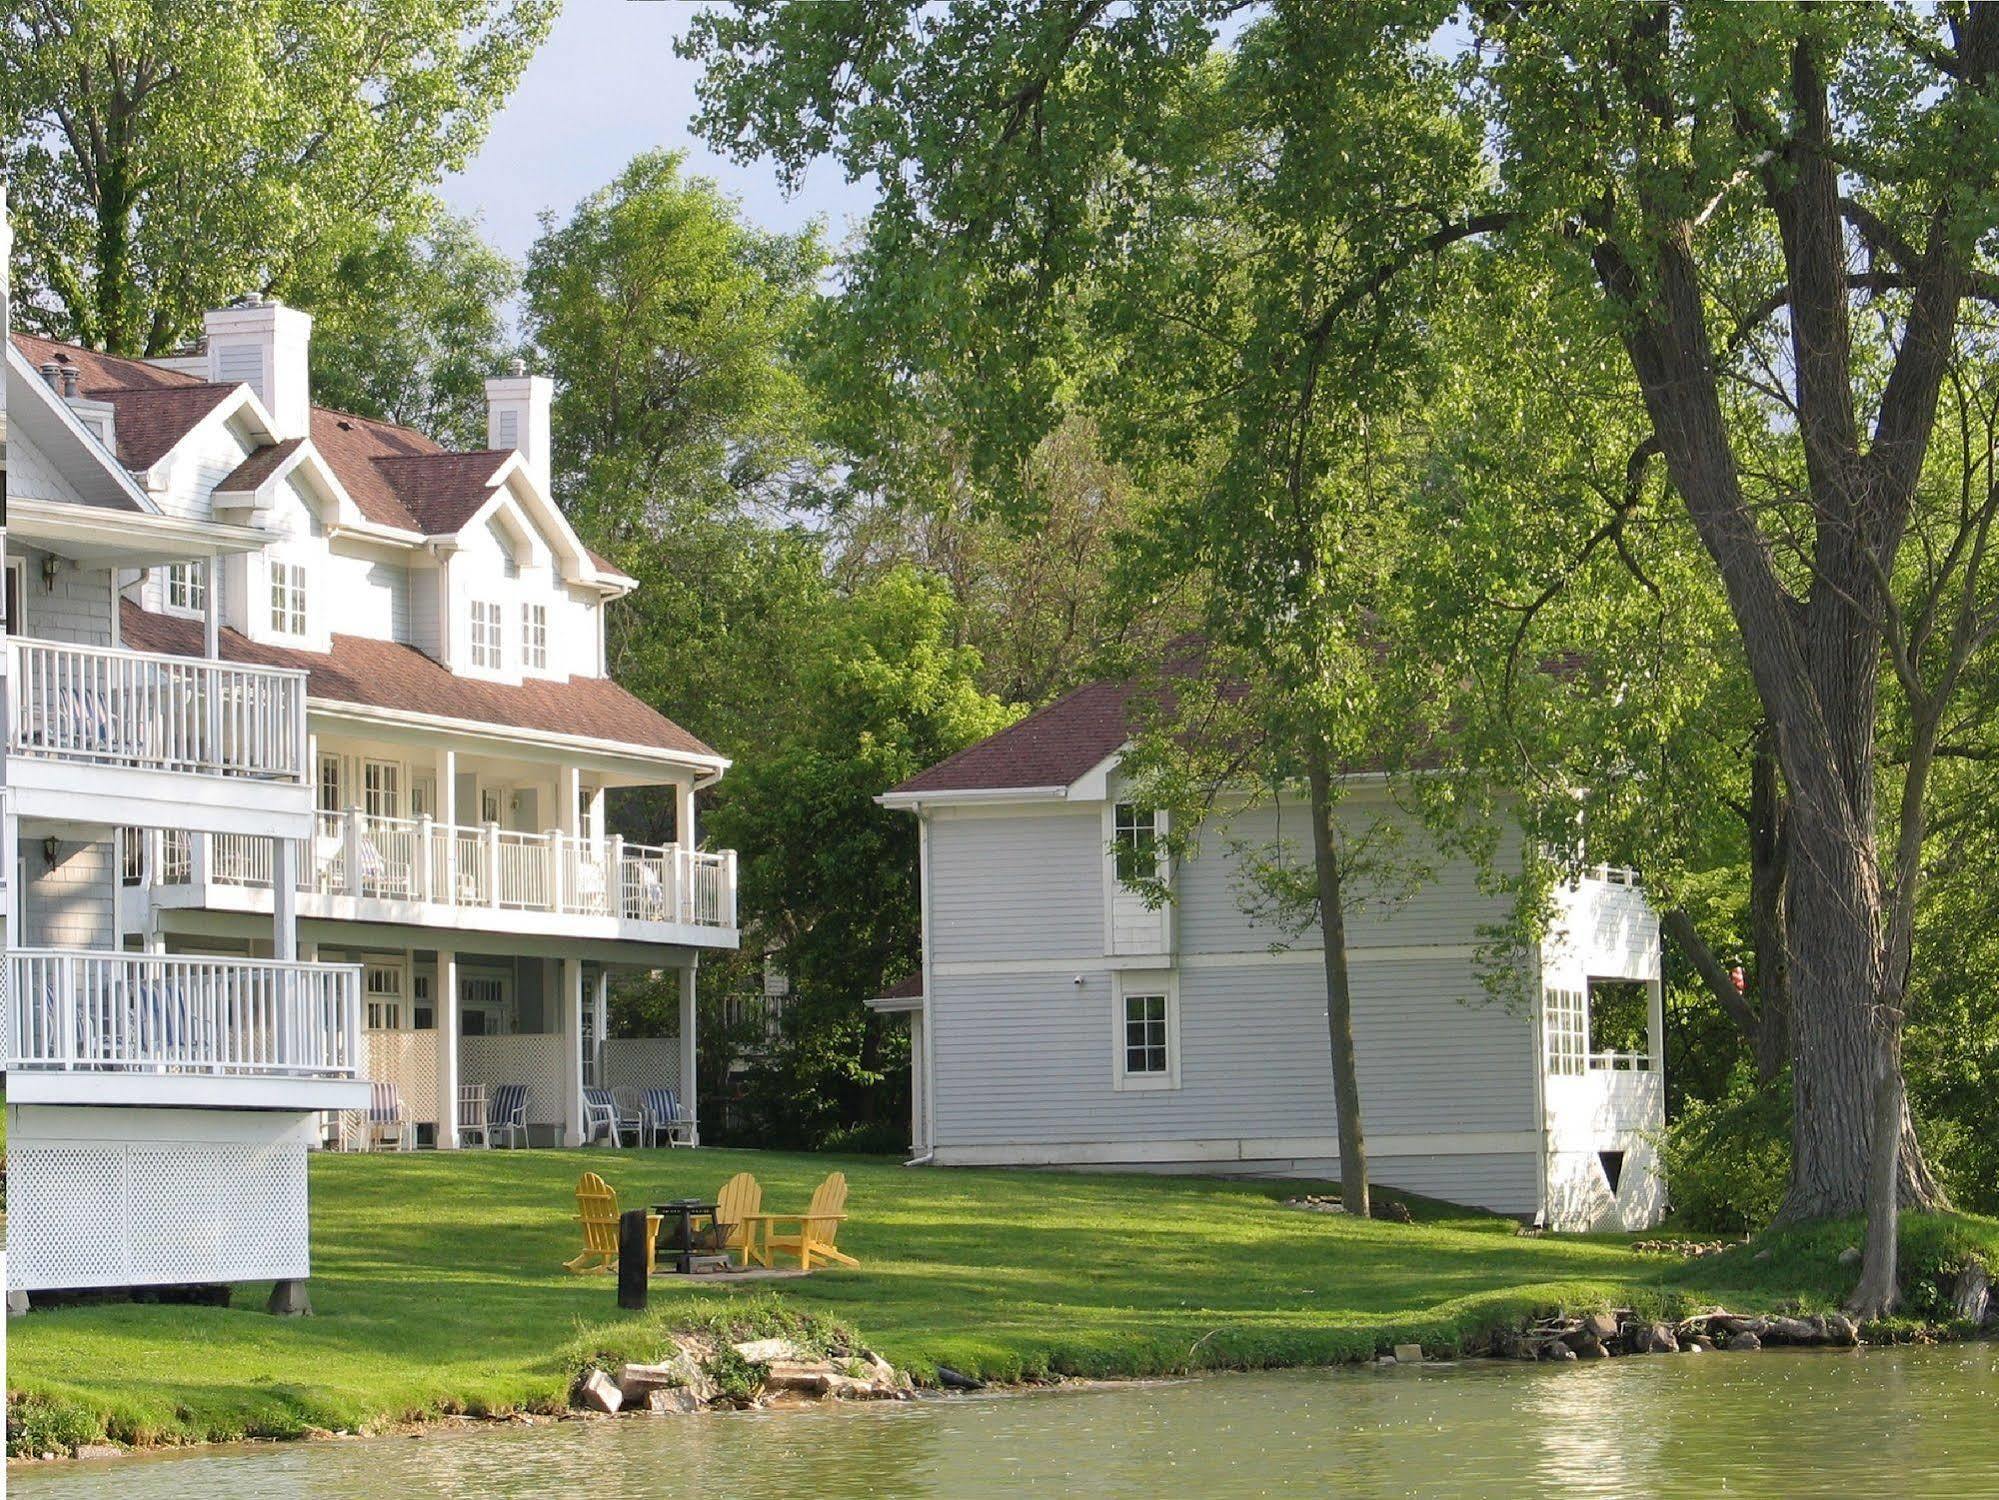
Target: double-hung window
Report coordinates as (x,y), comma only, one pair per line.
(487,647)
(1147,1034)
(288,598)
(534,637)
(1565,1030)
(383,985)
(381,789)
(1135,835)
(187,587)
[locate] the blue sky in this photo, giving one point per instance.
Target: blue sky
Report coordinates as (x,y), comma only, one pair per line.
(605,86)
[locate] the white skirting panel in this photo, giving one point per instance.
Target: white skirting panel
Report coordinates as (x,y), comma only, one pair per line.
(151,1197)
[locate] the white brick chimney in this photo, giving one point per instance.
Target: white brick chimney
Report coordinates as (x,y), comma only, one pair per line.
(517,416)
(264,344)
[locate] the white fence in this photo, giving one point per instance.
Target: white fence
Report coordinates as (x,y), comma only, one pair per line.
(420,861)
(531,1058)
(171,713)
(74,1010)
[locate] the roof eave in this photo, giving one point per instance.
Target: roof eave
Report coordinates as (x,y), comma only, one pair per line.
(961,796)
(690,760)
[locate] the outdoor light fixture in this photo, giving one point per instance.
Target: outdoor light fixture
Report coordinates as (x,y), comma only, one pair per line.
(50,562)
(51,850)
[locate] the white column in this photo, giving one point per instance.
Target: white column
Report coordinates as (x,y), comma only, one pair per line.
(446,771)
(687,1089)
(284,899)
(683,822)
(444,1004)
(919,1141)
(600,1018)
(211,609)
(10,853)
(572,1051)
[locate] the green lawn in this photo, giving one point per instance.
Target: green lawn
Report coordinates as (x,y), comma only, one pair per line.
(438,1287)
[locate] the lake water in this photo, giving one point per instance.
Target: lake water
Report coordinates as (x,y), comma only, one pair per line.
(1919,1422)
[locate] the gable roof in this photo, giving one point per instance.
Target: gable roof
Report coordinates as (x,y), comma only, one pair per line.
(1053,746)
(258,467)
(393,676)
(397,476)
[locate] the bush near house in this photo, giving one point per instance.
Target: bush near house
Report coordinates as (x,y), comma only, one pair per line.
(438,1288)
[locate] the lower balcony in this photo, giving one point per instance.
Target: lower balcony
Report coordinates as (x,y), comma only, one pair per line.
(203,1032)
(413,871)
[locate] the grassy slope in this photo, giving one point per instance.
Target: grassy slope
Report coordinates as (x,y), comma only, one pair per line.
(438,1287)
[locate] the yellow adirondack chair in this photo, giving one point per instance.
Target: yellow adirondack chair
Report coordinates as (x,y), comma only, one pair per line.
(739,1200)
(597,1211)
(817,1226)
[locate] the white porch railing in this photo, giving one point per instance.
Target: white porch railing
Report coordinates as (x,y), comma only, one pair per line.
(108,706)
(73,1010)
(419,861)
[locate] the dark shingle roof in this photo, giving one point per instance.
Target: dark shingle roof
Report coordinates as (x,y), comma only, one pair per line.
(390,675)
(1050,747)
(258,467)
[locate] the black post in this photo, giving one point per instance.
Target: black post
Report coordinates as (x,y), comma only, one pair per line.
(632,1259)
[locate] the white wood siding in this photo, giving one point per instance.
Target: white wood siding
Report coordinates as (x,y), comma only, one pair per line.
(1029,885)
(75,609)
(69,906)
(29,476)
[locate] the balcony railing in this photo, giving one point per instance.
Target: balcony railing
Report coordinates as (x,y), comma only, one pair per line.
(166,713)
(123,1012)
(419,861)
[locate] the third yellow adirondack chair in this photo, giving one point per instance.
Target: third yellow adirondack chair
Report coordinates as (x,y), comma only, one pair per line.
(817,1226)
(735,1205)
(597,1209)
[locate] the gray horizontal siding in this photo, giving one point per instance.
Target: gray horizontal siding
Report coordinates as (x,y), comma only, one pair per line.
(1028,1058)
(1026,886)
(1447,909)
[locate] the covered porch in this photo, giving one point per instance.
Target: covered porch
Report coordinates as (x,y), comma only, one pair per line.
(438,1022)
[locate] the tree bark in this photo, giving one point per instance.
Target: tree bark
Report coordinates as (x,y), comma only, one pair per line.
(1339,993)
(1878,1292)
(1769,880)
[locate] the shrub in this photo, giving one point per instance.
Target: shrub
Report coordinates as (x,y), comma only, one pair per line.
(1728,1160)
(876,1138)
(37,1424)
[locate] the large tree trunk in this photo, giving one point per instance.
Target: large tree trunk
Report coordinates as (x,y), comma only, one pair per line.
(1879,1291)
(1769,937)
(1339,993)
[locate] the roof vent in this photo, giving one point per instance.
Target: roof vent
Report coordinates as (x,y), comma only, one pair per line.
(69,381)
(517,366)
(344,425)
(52,373)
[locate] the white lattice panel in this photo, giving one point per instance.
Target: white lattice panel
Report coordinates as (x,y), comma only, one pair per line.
(63,1208)
(408,1059)
(642,1062)
(532,1058)
(115,1197)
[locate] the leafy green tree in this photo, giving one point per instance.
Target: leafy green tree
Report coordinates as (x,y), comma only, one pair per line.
(167,155)
(408,326)
(670,327)
(830,875)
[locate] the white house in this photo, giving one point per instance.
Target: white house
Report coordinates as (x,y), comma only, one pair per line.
(308,738)
(1060,1022)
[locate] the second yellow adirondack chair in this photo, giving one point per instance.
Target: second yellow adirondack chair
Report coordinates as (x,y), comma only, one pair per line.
(740,1198)
(597,1211)
(817,1226)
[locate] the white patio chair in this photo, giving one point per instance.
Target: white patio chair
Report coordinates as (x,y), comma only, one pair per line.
(389,1122)
(472,1122)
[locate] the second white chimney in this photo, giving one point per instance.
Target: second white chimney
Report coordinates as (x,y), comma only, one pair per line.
(517,406)
(266,345)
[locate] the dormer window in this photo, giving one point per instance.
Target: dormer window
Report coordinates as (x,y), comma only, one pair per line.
(534,637)
(187,587)
(1136,837)
(288,598)
(488,651)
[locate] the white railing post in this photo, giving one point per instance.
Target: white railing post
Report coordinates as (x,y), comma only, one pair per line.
(420,878)
(66,1009)
(492,864)
(729,886)
(555,863)
(614,878)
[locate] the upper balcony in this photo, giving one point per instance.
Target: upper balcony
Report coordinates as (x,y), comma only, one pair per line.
(87,1027)
(101,734)
(487,879)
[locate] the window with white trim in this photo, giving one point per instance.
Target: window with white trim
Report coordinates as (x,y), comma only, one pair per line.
(1135,837)
(381,789)
(382,984)
(288,598)
(487,647)
(534,637)
(1147,1039)
(187,587)
(1565,1030)
(332,785)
